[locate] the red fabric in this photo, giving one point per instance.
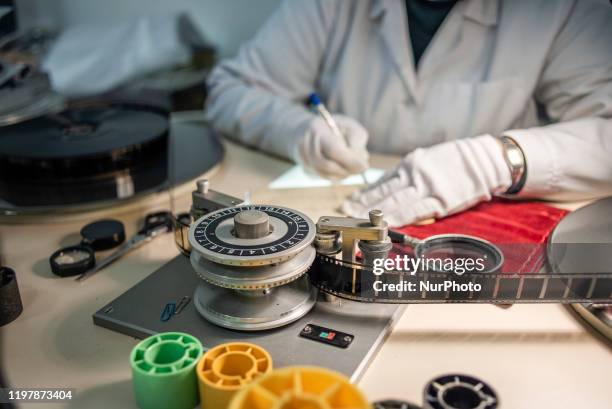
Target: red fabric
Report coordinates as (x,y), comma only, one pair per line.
(520,229)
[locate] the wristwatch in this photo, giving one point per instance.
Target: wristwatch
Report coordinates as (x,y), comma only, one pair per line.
(515,159)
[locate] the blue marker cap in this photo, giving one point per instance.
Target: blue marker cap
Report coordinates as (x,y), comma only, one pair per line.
(313,99)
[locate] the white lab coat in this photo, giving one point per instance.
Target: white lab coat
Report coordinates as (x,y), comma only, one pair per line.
(490,66)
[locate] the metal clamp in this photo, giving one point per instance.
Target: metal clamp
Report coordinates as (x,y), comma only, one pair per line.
(206,200)
(354,230)
(372,233)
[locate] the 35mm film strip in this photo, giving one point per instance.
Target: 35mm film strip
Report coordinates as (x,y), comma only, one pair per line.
(359,283)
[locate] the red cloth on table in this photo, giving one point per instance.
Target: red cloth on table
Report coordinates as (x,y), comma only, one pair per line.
(520,229)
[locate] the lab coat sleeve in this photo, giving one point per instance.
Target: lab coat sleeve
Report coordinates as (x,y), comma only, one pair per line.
(258,96)
(572,158)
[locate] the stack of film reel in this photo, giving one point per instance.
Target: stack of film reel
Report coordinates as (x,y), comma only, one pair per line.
(253,260)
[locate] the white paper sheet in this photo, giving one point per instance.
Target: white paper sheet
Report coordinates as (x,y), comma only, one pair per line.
(297,178)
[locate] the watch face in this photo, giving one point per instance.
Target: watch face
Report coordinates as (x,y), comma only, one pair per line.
(514,156)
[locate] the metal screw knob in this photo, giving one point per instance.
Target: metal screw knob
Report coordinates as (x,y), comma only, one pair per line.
(203,185)
(376,217)
(251,224)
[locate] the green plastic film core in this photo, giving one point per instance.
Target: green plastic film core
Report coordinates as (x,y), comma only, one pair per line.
(163,371)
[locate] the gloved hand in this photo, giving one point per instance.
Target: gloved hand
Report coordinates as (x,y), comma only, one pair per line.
(323,152)
(435,182)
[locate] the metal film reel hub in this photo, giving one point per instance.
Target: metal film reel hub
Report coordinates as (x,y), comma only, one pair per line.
(253,277)
(218,237)
(252,260)
(255,310)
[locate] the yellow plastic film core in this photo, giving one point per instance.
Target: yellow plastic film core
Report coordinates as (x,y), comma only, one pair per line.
(227,368)
(300,387)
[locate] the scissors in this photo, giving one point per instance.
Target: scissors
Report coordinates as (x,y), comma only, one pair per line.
(155,224)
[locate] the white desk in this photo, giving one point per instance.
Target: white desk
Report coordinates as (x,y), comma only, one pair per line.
(535,356)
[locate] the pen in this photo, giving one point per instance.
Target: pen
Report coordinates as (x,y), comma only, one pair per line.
(315,101)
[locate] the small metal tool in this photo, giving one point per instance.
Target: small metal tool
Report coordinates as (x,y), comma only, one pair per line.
(174,308)
(180,306)
(155,225)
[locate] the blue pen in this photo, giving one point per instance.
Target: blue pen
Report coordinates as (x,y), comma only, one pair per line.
(315,101)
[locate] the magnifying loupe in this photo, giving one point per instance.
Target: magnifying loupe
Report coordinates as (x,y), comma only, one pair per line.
(454,247)
(73,260)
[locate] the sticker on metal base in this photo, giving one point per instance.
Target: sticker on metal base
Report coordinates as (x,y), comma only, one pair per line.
(327,336)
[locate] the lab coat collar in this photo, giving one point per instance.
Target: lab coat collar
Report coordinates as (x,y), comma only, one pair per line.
(485,12)
(391,15)
(467,23)
(391,18)
(377,9)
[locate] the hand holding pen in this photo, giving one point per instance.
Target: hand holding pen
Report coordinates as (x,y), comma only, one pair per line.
(333,146)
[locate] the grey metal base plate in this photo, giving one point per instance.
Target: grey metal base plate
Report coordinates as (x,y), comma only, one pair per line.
(137,313)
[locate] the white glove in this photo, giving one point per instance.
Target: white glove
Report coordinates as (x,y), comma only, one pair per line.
(436,181)
(322,151)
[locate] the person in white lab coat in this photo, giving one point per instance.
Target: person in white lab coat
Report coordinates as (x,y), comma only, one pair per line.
(483,97)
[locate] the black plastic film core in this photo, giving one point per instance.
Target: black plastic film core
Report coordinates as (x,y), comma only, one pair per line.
(10,299)
(459,391)
(394,404)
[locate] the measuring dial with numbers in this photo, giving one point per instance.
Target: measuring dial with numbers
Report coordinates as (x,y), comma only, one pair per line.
(251,235)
